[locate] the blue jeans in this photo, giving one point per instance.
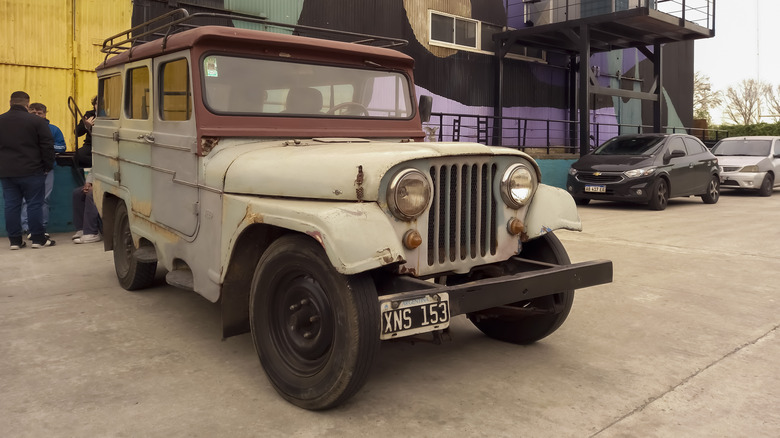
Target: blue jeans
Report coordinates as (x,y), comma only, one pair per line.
(46,196)
(15,189)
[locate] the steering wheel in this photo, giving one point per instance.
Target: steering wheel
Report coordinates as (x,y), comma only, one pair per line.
(350,108)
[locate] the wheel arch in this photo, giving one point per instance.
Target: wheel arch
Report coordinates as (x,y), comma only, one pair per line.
(234,299)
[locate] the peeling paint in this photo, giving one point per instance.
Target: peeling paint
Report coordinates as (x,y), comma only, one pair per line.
(207,144)
(359,191)
(386,255)
(250,217)
(141,207)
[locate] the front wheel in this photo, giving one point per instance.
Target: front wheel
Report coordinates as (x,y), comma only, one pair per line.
(712,194)
(767,186)
(536,318)
(316,331)
(131,273)
(659,195)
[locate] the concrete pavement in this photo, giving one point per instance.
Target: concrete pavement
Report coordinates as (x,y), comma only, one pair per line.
(684,342)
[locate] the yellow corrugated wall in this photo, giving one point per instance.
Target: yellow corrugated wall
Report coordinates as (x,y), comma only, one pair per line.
(50,48)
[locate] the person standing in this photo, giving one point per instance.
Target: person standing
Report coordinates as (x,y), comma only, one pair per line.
(40,110)
(84,153)
(26,156)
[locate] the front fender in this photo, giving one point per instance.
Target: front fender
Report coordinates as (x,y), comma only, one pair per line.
(356,236)
(551,209)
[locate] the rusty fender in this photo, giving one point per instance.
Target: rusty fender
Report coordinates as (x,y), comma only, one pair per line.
(357,237)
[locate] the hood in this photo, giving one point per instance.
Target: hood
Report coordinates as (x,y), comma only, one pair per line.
(737,161)
(612,163)
(330,169)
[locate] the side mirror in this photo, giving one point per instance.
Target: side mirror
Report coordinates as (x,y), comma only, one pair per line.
(674,154)
(426,106)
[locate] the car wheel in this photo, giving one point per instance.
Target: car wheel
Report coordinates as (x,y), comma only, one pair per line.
(767,186)
(132,274)
(659,195)
(712,194)
(582,201)
(539,317)
(315,331)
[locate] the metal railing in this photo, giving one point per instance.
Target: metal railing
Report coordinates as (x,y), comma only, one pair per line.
(541,135)
(700,12)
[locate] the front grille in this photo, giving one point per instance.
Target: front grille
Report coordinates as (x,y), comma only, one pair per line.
(462,218)
(602,178)
(730,169)
(729,183)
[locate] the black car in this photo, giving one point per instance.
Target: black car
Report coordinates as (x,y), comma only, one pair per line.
(647,169)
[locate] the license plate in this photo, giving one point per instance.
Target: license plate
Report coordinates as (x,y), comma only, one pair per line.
(596,189)
(422,314)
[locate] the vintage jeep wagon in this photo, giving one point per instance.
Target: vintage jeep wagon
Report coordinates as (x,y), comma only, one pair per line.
(286,178)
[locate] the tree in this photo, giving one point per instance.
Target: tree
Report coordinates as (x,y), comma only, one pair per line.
(743,102)
(704,99)
(772,103)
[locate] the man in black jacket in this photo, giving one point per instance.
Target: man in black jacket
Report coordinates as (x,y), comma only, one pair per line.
(26,156)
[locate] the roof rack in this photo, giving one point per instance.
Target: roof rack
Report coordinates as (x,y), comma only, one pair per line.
(179,20)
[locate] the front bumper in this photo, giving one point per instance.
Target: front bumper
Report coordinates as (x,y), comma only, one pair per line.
(535,279)
(628,190)
(742,180)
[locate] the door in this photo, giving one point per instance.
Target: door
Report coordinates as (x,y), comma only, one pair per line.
(680,168)
(776,160)
(174,155)
(701,164)
(134,146)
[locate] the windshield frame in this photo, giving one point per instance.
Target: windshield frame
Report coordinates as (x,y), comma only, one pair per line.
(402,97)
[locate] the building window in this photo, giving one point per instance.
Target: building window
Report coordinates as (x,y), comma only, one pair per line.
(452,30)
(472,35)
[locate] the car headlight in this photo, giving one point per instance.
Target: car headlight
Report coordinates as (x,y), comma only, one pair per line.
(408,194)
(636,173)
(752,168)
(572,171)
(518,185)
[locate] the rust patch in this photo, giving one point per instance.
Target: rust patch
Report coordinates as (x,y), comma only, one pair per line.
(317,236)
(141,207)
(207,144)
(250,217)
(405,270)
(359,191)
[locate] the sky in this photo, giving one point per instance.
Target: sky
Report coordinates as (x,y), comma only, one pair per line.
(745,45)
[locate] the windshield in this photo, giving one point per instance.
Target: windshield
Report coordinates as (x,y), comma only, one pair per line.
(234,85)
(746,148)
(637,146)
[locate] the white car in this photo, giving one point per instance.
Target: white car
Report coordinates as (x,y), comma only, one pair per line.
(749,163)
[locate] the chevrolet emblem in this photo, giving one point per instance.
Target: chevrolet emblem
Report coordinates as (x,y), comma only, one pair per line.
(596,173)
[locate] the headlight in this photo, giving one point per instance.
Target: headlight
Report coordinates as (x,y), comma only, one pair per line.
(752,168)
(518,185)
(409,194)
(572,171)
(636,173)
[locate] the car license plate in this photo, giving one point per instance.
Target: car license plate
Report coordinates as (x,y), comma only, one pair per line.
(422,314)
(596,189)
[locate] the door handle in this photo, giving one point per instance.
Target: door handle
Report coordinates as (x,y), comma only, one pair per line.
(149,138)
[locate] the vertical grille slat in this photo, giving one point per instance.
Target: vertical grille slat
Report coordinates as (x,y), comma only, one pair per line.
(463,215)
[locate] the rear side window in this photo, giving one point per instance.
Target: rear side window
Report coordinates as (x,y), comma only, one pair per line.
(693,146)
(109,97)
(137,93)
(175,95)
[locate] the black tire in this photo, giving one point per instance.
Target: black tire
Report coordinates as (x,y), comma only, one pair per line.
(712,194)
(659,195)
(582,201)
(767,186)
(315,331)
(132,274)
(552,310)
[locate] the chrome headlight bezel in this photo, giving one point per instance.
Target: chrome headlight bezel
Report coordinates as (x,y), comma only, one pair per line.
(399,186)
(637,173)
(518,185)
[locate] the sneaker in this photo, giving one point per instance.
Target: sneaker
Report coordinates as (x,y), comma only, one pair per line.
(29,235)
(88,238)
(48,242)
(19,246)
(78,234)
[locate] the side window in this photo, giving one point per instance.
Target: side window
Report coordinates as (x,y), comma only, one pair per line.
(137,93)
(175,95)
(676,144)
(109,97)
(693,146)
(777,147)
